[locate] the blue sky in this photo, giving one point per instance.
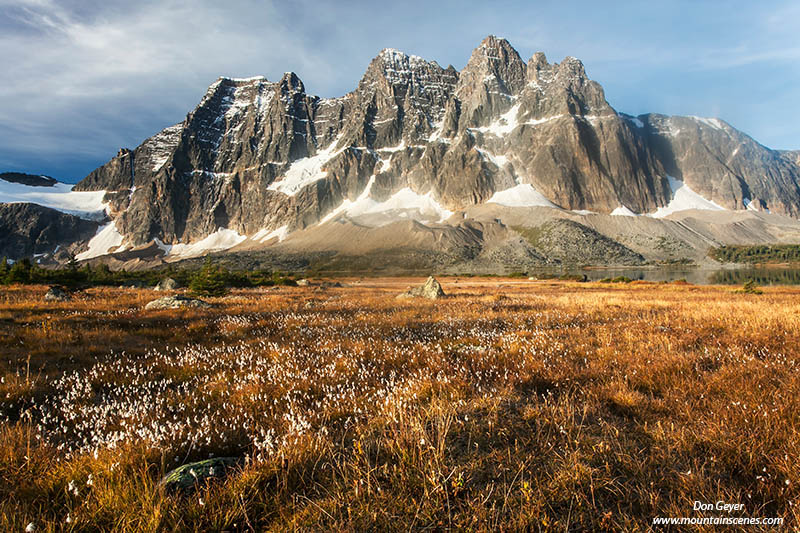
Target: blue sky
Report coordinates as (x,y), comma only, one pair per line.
(82,79)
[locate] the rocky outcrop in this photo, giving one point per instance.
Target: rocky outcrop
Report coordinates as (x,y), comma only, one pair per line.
(723,164)
(175,302)
(793,156)
(56,294)
(32,230)
(431,290)
(259,156)
(167,284)
(188,477)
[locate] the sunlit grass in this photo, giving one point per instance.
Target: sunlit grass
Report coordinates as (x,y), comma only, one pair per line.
(508,406)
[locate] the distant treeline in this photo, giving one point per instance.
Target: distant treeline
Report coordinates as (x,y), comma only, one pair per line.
(779,253)
(73,276)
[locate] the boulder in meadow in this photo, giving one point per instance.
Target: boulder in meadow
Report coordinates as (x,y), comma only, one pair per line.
(431,290)
(56,294)
(186,477)
(167,284)
(176,302)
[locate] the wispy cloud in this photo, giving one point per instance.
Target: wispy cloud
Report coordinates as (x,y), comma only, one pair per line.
(82,78)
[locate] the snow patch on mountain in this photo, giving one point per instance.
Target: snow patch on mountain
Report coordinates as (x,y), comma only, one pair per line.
(222,239)
(162,145)
(404,204)
(710,122)
(504,125)
(84,204)
(107,239)
(359,206)
(265,235)
(305,171)
(684,198)
(500,161)
(751,205)
(623,211)
(407,199)
(636,122)
(523,195)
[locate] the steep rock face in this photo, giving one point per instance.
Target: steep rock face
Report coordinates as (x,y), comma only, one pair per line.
(560,135)
(793,156)
(256,155)
(493,76)
(29,229)
(723,164)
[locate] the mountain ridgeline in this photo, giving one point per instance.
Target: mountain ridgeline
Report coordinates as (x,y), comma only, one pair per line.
(259,156)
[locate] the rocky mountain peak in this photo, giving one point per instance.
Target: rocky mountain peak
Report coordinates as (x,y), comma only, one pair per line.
(397,73)
(291,83)
(400,96)
(264,158)
(564,88)
(537,62)
(569,73)
(488,84)
(494,64)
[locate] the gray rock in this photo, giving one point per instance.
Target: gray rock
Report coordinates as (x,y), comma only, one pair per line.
(167,284)
(185,478)
(460,136)
(56,294)
(303,283)
(431,290)
(27,229)
(723,164)
(176,302)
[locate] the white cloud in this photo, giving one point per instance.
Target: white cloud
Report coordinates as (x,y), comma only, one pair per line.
(79,81)
(83,77)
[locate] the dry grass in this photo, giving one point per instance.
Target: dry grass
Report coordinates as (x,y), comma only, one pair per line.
(507,406)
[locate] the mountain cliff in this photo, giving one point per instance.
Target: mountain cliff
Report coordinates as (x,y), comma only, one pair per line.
(262,160)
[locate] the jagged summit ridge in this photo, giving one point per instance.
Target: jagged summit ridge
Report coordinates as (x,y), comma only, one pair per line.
(259,157)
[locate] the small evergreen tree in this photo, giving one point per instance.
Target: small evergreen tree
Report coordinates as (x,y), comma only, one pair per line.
(209,280)
(72,263)
(20,272)
(750,287)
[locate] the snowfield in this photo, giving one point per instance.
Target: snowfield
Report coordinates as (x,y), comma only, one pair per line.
(405,204)
(684,198)
(108,238)
(305,171)
(222,239)
(85,204)
(522,195)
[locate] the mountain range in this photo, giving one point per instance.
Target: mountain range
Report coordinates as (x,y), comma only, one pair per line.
(504,164)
